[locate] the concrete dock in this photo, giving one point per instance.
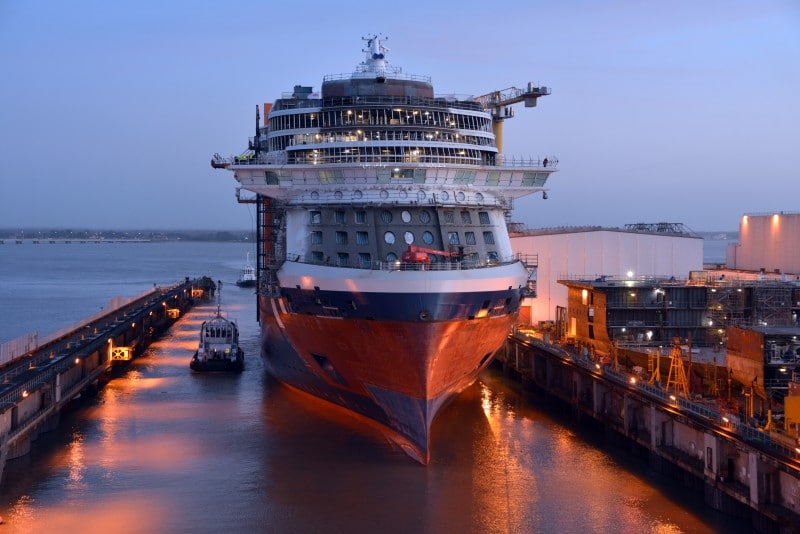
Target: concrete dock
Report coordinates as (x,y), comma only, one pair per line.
(738,469)
(38,382)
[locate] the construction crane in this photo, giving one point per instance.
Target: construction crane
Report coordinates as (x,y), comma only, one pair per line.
(499,103)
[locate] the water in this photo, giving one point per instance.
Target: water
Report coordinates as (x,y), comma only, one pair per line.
(160,449)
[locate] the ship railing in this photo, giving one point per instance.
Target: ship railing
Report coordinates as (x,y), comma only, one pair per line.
(455,265)
(437,102)
(381,160)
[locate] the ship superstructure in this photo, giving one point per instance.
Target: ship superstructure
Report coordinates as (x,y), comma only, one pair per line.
(386,275)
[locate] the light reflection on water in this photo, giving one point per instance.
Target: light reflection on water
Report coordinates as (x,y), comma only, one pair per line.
(161,449)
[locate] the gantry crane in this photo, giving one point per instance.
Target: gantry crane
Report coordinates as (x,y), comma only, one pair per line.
(499,103)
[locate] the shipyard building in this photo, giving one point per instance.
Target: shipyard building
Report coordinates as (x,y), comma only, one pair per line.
(640,291)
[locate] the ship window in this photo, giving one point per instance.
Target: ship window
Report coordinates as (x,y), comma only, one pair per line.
(492,256)
(317,257)
(449,217)
(427,237)
(421,195)
(316,237)
(488,238)
(362,238)
(343,258)
(469,238)
(272,178)
(425,217)
(361,217)
(466,218)
(460,196)
(316,217)
(406,216)
(339,217)
(408,237)
(386,216)
(483,216)
(391,256)
(452,238)
(341,238)
(364,259)
(389,238)
(357,194)
(493,178)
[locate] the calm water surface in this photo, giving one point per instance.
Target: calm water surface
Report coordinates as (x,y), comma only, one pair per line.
(160,449)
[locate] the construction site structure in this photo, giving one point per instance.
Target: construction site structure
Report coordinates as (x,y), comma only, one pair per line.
(677,374)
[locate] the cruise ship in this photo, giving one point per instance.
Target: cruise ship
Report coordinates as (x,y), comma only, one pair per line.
(386,278)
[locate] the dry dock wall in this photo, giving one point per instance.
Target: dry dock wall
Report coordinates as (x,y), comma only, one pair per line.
(36,387)
(738,470)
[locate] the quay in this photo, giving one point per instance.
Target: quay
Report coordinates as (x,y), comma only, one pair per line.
(739,470)
(39,379)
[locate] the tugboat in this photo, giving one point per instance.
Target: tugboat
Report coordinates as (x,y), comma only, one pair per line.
(248,277)
(219,344)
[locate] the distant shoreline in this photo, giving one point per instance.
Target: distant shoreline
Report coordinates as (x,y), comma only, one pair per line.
(122,236)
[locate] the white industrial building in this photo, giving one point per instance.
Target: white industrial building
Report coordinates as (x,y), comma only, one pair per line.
(635,251)
(767,243)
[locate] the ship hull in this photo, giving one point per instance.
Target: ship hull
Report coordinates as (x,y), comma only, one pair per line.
(398,374)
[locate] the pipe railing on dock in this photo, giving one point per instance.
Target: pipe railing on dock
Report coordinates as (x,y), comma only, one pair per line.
(701,412)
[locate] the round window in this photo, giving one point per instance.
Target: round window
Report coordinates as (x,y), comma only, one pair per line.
(427,237)
(403,194)
(408,237)
(337,195)
(384,194)
(389,237)
(406,216)
(391,256)
(421,195)
(425,217)
(314,195)
(358,194)
(479,197)
(461,196)
(443,195)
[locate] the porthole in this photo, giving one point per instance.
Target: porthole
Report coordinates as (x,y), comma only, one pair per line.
(403,194)
(389,238)
(391,256)
(421,195)
(384,194)
(444,195)
(479,197)
(358,194)
(427,237)
(425,217)
(314,195)
(408,237)
(386,216)
(337,195)
(460,196)
(406,216)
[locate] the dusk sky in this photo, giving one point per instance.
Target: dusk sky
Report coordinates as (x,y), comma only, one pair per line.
(679,111)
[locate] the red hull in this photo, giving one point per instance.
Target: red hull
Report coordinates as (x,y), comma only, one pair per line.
(398,374)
